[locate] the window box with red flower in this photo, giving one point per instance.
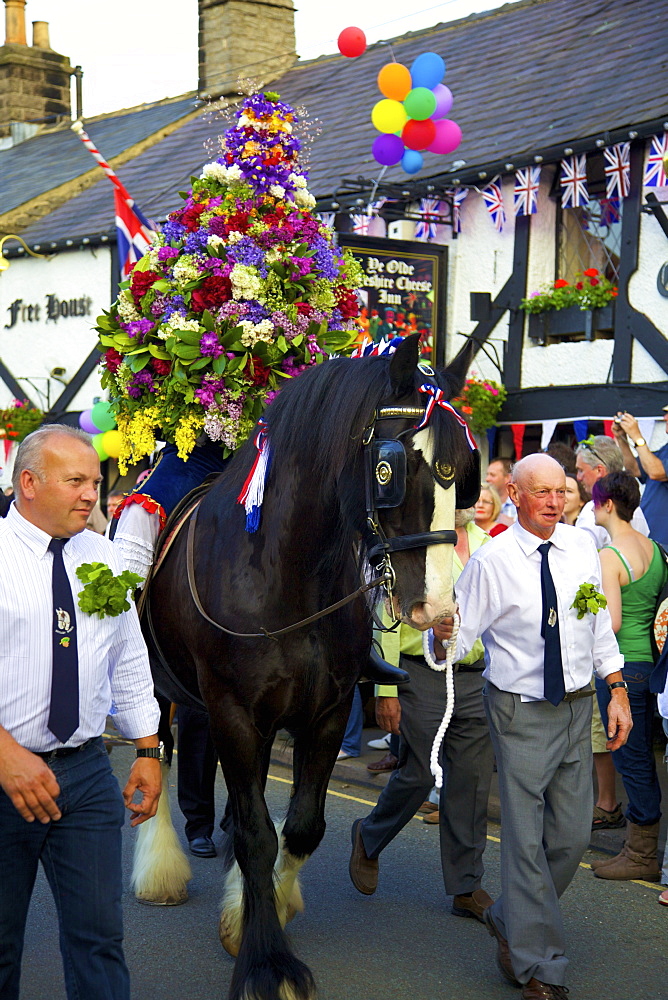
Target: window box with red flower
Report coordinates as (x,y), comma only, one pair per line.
(583,308)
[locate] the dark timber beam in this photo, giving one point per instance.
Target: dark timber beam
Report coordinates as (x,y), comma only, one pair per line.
(13,385)
(566,402)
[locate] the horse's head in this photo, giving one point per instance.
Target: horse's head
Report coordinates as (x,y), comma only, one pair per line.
(419,467)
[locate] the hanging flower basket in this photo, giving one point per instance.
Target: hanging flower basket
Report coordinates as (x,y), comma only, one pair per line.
(19,420)
(480,402)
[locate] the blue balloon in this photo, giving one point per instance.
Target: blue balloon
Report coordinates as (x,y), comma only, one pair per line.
(427,70)
(411,161)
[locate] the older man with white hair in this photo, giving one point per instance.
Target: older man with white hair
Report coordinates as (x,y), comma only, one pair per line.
(595,457)
(539,656)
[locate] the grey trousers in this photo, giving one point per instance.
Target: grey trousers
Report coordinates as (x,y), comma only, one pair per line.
(467,761)
(544,762)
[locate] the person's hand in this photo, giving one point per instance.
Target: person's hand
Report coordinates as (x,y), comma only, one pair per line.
(618,431)
(29,782)
(620,722)
(629,425)
(443,630)
(388,714)
(145,777)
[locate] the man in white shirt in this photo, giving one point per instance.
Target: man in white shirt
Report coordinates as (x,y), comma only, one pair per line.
(594,458)
(543,747)
(59,800)
(499,473)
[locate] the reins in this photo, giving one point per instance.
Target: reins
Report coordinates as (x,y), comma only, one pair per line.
(264,633)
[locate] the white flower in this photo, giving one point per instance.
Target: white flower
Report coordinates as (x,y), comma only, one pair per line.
(186,269)
(177,322)
(277,190)
(252,332)
(304,199)
(234,172)
(246,283)
(234,237)
(216,170)
(126,307)
(297,180)
(214,240)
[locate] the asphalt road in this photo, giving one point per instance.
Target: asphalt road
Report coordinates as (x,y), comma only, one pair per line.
(401,944)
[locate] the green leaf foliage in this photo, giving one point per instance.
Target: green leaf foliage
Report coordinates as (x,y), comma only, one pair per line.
(104,594)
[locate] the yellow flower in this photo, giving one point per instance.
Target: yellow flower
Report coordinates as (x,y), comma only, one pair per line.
(138,436)
(186,434)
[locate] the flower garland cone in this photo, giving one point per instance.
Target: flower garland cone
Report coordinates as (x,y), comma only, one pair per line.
(241,290)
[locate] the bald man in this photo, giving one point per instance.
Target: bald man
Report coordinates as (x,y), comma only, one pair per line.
(517,594)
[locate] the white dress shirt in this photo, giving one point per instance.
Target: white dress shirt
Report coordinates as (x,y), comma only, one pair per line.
(587,521)
(113,661)
(499,596)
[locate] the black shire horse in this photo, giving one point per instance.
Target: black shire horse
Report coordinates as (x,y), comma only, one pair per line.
(323,530)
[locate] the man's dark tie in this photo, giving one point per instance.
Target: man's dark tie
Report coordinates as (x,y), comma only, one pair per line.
(64,711)
(554,689)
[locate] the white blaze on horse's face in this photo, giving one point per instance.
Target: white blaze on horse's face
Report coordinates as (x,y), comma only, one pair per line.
(438,600)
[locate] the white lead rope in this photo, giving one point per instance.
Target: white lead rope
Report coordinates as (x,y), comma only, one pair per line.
(434,764)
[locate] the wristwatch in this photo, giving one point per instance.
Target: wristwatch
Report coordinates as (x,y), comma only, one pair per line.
(640,443)
(150,752)
(618,684)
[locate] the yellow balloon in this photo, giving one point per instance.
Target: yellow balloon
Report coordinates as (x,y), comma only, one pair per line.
(112,443)
(394,81)
(389,116)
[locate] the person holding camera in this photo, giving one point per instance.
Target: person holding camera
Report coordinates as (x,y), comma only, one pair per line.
(651,468)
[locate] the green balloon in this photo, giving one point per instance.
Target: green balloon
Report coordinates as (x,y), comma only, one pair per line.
(102,416)
(420,103)
(99,448)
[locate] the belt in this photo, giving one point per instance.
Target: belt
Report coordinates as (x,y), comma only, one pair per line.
(585,692)
(461,668)
(63,751)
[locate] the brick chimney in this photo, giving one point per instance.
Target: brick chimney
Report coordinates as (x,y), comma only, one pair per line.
(34,80)
(247,39)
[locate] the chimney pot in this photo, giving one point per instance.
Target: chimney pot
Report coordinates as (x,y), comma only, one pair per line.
(15,22)
(40,35)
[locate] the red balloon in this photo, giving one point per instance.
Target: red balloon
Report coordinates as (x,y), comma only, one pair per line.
(352,42)
(418,134)
(447,138)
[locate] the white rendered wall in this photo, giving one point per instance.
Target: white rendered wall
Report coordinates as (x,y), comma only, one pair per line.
(32,344)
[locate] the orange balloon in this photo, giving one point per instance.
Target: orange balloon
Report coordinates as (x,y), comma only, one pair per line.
(394,81)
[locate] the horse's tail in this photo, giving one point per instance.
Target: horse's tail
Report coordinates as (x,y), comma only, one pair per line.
(161,870)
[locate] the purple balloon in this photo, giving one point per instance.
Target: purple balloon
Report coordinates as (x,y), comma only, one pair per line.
(448,137)
(387,149)
(444,101)
(86,423)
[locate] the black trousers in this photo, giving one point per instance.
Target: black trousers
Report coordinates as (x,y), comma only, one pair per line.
(198,761)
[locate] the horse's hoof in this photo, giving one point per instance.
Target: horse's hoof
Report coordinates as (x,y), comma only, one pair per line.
(168,901)
(230,940)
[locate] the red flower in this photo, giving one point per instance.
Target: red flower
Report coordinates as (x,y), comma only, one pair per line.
(304,309)
(112,360)
(591,272)
(593,282)
(141,282)
(213,291)
(161,367)
(259,375)
(347,302)
(190,217)
(579,285)
(561,283)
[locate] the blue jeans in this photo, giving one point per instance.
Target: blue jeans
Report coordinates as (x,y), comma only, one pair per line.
(635,760)
(81,856)
(352,738)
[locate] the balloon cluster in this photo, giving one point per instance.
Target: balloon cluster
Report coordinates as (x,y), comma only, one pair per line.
(412,114)
(100,422)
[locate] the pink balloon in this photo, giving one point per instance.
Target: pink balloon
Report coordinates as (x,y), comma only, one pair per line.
(444,101)
(448,137)
(86,423)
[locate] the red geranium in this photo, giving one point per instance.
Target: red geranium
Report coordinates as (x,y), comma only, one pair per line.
(593,282)
(591,272)
(561,283)
(141,281)
(161,367)
(259,373)
(112,360)
(213,292)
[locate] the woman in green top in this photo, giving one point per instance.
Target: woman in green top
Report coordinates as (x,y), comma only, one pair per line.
(633,574)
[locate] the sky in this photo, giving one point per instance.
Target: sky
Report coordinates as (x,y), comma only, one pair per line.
(137,51)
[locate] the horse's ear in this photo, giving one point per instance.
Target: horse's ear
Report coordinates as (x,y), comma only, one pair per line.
(403,364)
(454,376)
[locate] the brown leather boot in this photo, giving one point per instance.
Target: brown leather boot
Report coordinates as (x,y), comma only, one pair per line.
(638,857)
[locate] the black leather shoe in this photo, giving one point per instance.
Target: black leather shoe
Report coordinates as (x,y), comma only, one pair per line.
(380,671)
(202,847)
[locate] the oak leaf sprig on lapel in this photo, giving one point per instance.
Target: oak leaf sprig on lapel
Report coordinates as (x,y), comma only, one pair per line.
(589,600)
(105,594)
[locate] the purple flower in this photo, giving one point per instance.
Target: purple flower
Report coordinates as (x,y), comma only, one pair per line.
(246,252)
(140,381)
(166,253)
(173,230)
(196,242)
(209,346)
(138,328)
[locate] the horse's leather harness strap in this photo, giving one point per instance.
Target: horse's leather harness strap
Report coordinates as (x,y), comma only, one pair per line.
(400,543)
(264,634)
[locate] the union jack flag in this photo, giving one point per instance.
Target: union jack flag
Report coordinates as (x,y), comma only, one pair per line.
(327,219)
(618,170)
(574,193)
(430,211)
(525,195)
(609,211)
(133,232)
(655,176)
(494,203)
(361,224)
(458,195)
